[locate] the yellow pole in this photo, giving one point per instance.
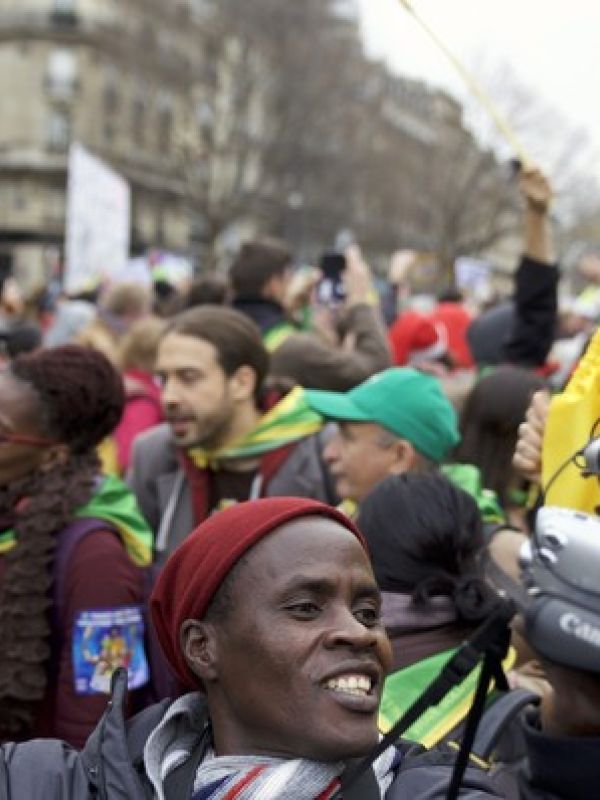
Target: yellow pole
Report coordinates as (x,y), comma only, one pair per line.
(475,88)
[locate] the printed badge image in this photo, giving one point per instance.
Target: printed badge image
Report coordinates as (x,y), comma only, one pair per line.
(105,640)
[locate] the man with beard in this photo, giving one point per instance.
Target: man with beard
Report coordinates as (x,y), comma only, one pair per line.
(222,443)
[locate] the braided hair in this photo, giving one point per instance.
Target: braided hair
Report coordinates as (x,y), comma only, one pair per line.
(81,394)
(81,398)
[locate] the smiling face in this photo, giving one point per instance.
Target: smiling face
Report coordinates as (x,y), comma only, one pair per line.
(295,667)
(20,414)
(196,395)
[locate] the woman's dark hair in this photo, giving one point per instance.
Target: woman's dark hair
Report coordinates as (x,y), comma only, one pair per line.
(234,336)
(81,398)
(489,424)
(425,537)
(81,393)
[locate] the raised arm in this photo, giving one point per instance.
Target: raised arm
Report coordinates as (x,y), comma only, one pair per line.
(536,280)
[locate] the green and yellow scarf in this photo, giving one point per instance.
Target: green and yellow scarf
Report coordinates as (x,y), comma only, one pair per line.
(288,421)
(403,687)
(114,502)
(277,335)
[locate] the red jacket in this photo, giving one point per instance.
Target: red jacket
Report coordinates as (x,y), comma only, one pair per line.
(142,411)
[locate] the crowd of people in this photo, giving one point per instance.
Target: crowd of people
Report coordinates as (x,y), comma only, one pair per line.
(243,530)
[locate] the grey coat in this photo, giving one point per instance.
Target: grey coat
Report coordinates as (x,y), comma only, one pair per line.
(111,766)
(164,495)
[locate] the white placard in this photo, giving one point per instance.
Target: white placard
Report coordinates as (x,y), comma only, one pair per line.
(98,221)
(472,274)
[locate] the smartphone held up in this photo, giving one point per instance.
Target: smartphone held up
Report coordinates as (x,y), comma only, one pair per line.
(330,290)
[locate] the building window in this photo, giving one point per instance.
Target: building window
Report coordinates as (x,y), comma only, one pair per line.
(59,129)
(203,9)
(138,122)
(64,13)
(165,129)
(61,74)
(148,35)
(19,198)
(111,98)
(165,122)
(205,117)
(109,132)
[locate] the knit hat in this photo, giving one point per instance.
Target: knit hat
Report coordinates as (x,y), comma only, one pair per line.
(415,338)
(196,570)
(409,403)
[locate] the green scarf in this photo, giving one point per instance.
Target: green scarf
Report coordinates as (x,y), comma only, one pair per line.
(402,688)
(114,502)
(468,478)
(288,421)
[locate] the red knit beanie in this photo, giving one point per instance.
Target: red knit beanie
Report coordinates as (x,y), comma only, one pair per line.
(196,570)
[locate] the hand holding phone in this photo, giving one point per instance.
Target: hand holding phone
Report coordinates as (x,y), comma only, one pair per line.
(331,290)
(357,278)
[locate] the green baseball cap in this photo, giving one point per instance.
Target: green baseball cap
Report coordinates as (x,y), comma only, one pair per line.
(409,403)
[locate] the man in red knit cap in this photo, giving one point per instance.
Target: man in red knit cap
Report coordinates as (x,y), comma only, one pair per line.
(269,612)
(270,608)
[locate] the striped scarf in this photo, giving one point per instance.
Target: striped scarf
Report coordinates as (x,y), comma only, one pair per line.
(288,421)
(260,778)
(184,728)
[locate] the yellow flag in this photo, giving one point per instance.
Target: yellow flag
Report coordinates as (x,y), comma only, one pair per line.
(573,419)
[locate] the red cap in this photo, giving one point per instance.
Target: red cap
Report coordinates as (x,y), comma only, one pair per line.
(195,571)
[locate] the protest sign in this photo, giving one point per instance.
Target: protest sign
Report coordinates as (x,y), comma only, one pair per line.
(98,221)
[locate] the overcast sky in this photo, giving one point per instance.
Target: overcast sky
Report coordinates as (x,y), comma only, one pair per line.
(552,46)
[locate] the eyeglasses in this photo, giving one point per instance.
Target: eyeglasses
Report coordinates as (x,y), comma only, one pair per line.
(19,438)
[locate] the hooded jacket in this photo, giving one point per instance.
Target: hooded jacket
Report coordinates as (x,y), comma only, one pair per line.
(112,765)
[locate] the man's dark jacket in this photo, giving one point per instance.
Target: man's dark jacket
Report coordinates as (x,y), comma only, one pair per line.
(519,332)
(110,767)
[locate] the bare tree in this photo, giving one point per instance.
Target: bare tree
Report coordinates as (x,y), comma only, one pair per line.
(302,135)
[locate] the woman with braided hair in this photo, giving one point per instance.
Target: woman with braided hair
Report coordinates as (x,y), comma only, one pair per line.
(72,544)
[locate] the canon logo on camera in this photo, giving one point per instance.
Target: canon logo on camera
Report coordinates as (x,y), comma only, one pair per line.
(572,624)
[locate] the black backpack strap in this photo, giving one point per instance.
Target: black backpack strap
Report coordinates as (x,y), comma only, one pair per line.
(490,640)
(497,717)
(363,788)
